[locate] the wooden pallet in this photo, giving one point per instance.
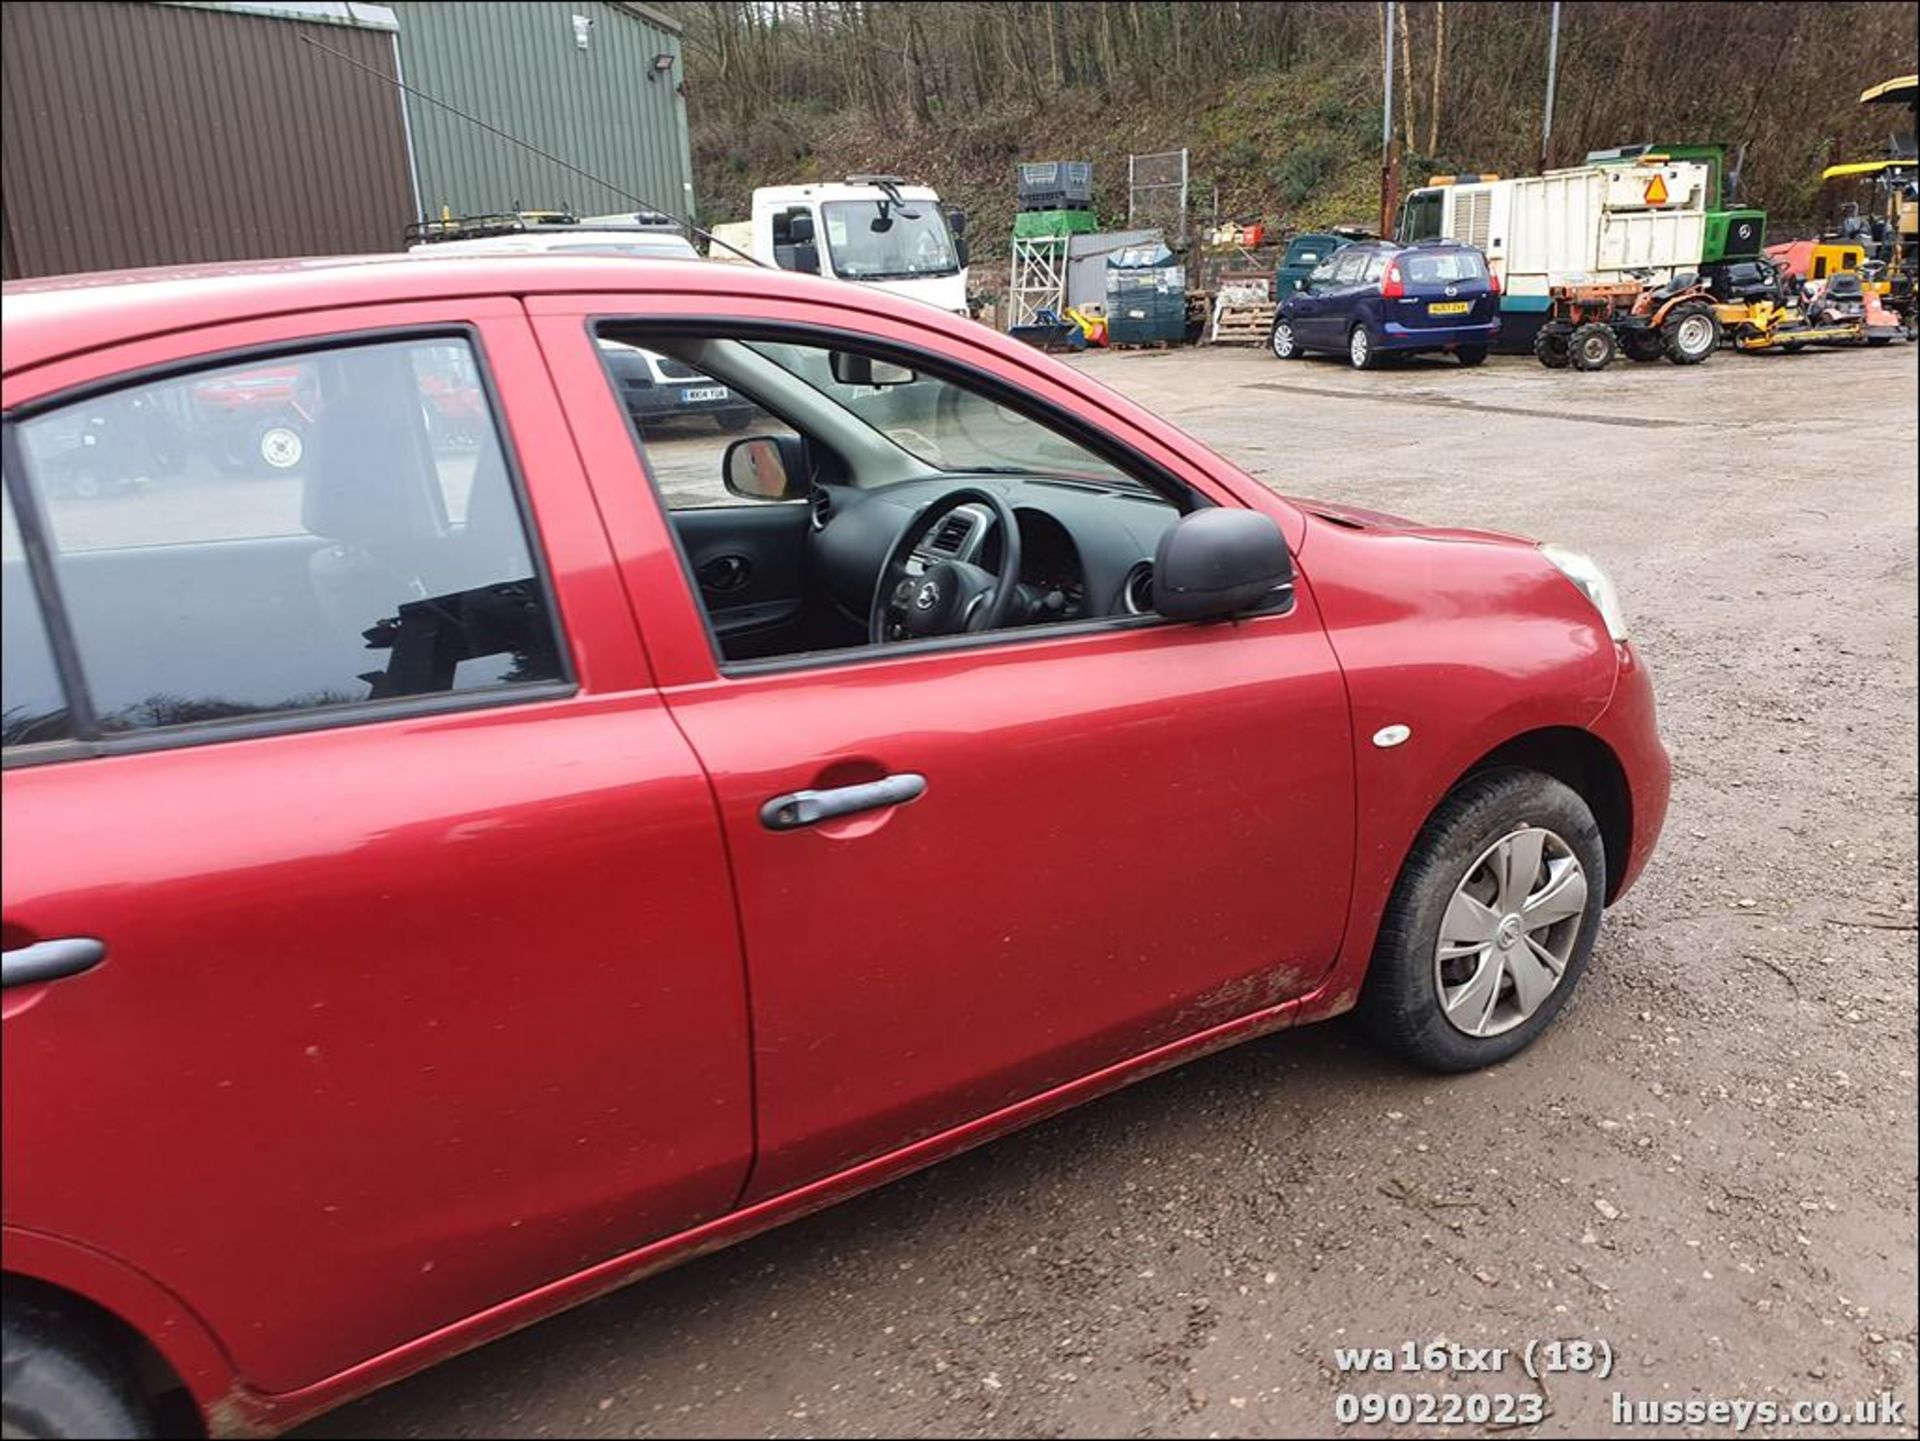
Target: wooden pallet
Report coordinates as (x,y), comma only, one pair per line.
(1243,325)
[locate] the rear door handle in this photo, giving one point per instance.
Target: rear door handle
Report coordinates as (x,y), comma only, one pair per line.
(805,808)
(50,960)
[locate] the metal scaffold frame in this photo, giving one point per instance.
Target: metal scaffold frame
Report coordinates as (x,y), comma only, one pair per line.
(1037,277)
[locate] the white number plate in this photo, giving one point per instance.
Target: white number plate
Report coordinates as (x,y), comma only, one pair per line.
(699,393)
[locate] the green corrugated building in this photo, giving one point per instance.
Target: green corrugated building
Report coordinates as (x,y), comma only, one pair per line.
(594,84)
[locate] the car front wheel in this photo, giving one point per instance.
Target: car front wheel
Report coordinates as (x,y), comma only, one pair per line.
(1284,344)
(1360,352)
(1490,923)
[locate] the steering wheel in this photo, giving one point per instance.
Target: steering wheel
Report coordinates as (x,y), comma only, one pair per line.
(949,597)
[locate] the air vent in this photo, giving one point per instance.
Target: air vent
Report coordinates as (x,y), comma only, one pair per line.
(1136,596)
(821,504)
(952,534)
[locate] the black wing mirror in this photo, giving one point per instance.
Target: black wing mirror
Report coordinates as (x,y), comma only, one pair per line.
(1220,562)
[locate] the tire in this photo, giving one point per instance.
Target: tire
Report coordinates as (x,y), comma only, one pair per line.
(1284,341)
(1360,352)
(1879,340)
(1550,349)
(61,1380)
(1471,355)
(1642,345)
(1691,333)
(1402,1003)
(733,421)
(1592,346)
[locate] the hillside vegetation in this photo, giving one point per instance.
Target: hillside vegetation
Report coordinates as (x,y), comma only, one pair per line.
(1279,104)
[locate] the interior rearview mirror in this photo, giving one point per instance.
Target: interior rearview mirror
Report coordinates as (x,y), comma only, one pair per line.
(1220,562)
(853,369)
(756,468)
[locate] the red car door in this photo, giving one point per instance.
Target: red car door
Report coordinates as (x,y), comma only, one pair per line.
(1127,835)
(422,984)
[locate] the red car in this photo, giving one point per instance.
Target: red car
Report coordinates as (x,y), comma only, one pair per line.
(473,879)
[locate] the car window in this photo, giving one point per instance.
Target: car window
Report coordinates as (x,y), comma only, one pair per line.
(1437,267)
(947,426)
(33,706)
(864,420)
(302,533)
(1376,267)
(1348,267)
(687,419)
(1323,272)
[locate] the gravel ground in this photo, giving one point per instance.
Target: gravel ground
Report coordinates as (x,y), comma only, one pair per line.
(1709,1164)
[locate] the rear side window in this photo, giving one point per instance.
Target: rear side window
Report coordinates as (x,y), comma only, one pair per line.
(1440,267)
(1376,267)
(303,533)
(1348,268)
(32,705)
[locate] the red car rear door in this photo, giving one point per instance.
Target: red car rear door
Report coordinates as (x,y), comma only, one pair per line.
(422,985)
(1127,835)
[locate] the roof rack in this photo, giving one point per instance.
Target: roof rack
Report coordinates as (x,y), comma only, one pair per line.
(475,227)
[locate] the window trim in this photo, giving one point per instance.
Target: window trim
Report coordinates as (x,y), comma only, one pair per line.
(90,741)
(994,387)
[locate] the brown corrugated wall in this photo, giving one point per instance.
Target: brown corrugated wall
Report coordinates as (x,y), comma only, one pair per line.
(161,135)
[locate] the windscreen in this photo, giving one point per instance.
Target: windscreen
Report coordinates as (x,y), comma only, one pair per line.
(906,249)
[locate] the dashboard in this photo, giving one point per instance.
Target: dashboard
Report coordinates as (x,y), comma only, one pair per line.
(1092,545)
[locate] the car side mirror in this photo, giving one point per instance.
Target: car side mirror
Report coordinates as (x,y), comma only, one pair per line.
(1220,562)
(961,250)
(800,229)
(756,469)
(850,368)
(806,258)
(957,221)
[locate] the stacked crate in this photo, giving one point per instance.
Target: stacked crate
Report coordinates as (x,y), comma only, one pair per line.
(1056,185)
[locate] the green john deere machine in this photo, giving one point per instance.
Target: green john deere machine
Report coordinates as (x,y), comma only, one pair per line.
(1733,232)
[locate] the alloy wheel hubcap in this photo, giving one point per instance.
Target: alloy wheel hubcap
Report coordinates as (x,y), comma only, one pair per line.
(1359,345)
(1509,931)
(281,447)
(1283,340)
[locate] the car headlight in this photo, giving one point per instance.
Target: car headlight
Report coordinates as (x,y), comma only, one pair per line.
(1594,585)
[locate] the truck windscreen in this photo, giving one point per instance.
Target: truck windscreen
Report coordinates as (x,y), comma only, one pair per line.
(906,249)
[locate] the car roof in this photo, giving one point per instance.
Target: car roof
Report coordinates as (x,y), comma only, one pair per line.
(57,316)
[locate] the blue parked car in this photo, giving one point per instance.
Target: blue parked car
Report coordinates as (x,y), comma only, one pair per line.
(1377,297)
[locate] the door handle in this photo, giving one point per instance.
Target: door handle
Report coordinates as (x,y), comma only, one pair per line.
(805,808)
(50,960)
(725,574)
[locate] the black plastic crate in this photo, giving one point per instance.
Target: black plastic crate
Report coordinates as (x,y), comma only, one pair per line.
(1056,185)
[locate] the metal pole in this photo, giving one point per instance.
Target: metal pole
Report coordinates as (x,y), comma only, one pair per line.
(1553,56)
(1389,147)
(1386,111)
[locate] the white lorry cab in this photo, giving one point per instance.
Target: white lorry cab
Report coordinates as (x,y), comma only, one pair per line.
(871,230)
